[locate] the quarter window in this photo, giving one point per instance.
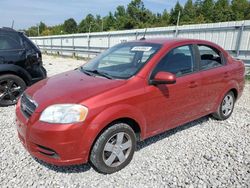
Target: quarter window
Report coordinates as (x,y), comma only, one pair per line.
(210,57)
(8,43)
(178,61)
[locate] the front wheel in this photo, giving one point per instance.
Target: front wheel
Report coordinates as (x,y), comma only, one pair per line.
(226,107)
(11,88)
(113,149)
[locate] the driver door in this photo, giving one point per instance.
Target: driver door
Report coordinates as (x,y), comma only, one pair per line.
(174,104)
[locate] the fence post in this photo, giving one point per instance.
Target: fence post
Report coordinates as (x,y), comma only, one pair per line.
(73,45)
(44,46)
(61,46)
(51,45)
(109,40)
(239,39)
(88,45)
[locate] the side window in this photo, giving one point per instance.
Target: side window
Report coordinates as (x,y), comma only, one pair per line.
(9,43)
(210,57)
(179,61)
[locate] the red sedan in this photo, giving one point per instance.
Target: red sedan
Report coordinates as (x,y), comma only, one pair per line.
(131,92)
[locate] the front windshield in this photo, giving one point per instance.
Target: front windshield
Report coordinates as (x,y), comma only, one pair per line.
(123,60)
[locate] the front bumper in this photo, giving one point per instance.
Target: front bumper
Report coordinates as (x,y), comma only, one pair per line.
(53,143)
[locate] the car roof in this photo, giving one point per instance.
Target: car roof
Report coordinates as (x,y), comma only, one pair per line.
(173,40)
(7,30)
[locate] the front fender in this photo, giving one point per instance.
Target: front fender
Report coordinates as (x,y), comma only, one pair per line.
(107,116)
(16,70)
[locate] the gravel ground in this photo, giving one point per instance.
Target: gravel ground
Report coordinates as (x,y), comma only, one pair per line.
(203,153)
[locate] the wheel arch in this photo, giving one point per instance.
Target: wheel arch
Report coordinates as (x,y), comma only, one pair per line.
(231,86)
(235,92)
(111,116)
(17,71)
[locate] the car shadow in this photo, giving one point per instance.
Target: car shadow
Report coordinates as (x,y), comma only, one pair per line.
(140,145)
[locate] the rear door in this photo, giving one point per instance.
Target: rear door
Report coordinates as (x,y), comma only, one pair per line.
(11,50)
(213,72)
(175,104)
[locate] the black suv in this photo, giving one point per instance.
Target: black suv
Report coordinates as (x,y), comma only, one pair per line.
(20,65)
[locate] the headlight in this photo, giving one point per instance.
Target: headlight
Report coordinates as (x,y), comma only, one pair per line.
(64,113)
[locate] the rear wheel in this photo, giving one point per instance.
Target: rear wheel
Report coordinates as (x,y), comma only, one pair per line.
(114,149)
(11,88)
(226,107)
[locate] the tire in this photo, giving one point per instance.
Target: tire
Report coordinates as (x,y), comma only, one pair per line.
(226,107)
(44,71)
(11,88)
(117,140)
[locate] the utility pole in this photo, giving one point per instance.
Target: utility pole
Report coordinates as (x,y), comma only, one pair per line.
(90,24)
(38,32)
(177,24)
(102,24)
(12,25)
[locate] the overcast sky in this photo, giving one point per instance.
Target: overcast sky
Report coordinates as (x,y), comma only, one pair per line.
(30,12)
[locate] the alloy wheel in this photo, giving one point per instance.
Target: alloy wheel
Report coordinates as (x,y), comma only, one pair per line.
(117,149)
(9,91)
(227,105)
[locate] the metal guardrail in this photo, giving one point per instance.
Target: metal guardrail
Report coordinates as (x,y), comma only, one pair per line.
(232,36)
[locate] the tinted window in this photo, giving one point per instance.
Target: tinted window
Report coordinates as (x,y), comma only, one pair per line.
(9,43)
(178,61)
(209,57)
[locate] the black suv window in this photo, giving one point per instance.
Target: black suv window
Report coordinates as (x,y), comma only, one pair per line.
(178,61)
(210,57)
(8,43)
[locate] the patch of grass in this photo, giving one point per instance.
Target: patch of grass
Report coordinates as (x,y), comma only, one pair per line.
(247,77)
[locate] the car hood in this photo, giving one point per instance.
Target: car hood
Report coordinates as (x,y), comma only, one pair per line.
(69,87)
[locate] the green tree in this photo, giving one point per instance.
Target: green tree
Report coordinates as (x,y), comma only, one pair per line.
(239,8)
(208,10)
(222,11)
(164,18)
(121,18)
(70,26)
(109,22)
(247,12)
(138,15)
(42,27)
(174,13)
(87,24)
(32,31)
(188,15)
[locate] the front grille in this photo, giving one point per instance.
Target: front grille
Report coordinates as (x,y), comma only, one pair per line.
(28,106)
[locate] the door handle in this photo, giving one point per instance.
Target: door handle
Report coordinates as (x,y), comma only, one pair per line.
(193,84)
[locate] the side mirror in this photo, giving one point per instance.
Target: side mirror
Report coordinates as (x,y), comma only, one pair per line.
(163,78)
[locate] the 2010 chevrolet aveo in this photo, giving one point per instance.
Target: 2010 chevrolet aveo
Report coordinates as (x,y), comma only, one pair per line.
(132,91)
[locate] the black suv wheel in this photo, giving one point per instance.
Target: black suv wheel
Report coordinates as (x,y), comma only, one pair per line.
(11,88)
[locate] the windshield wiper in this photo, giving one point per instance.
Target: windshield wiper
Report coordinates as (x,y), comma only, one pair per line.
(86,71)
(96,72)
